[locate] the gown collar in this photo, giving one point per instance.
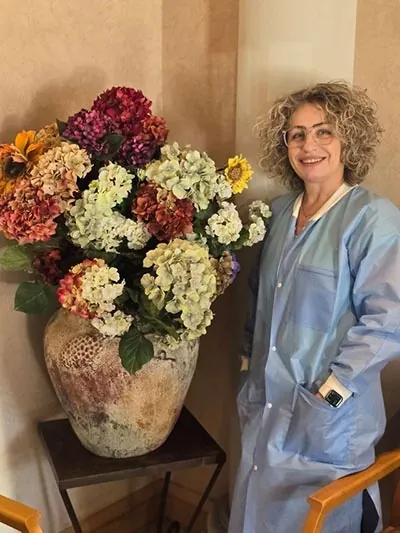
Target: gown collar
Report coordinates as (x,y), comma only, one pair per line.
(338,195)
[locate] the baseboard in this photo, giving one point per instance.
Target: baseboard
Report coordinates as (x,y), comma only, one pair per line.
(139,509)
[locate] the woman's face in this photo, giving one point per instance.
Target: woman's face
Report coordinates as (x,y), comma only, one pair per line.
(314,149)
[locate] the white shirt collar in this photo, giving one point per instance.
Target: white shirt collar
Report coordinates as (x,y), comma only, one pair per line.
(338,195)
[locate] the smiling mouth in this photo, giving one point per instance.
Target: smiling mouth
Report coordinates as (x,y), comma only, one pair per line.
(312,161)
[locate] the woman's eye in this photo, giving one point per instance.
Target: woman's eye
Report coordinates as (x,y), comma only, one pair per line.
(297,135)
(324,133)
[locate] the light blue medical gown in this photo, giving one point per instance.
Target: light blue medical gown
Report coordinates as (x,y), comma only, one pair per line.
(325,301)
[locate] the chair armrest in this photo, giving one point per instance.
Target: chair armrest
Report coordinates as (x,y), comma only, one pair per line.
(333,495)
(19,516)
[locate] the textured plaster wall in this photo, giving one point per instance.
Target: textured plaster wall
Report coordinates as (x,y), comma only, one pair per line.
(56,57)
(377,67)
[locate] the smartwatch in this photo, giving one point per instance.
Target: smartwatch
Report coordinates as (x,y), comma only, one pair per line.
(334,392)
(334,398)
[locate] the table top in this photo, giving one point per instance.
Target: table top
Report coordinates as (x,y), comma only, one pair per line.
(189,445)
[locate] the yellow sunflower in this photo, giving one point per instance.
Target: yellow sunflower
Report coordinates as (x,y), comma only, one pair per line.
(238,173)
(16,159)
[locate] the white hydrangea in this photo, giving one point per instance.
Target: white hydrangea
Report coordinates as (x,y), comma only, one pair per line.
(113,324)
(257,231)
(136,234)
(106,232)
(224,190)
(225,225)
(112,186)
(259,209)
(183,282)
(187,174)
(92,221)
(100,288)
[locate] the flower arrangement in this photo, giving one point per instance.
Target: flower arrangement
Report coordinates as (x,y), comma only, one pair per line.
(119,227)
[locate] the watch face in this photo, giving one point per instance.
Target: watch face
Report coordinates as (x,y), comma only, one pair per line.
(334,398)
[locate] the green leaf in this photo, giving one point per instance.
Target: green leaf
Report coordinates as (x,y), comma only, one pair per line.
(114,142)
(244,235)
(149,308)
(16,257)
(133,295)
(61,126)
(205,214)
(150,314)
(135,350)
(162,327)
(35,298)
(108,257)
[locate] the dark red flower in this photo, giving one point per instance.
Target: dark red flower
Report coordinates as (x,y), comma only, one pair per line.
(47,265)
(166,216)
(125,107)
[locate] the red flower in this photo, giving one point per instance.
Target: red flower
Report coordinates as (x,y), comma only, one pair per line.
(166,217)
(46,264)
(125,107)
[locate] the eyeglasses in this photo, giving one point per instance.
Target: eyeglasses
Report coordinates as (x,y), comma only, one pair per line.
(296,136)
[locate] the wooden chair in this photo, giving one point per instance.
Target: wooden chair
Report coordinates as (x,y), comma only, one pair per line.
(19,516)
(333,495)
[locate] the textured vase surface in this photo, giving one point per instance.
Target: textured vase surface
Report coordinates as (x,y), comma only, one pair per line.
(114,413)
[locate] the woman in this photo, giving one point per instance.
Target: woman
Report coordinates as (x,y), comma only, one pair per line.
(324,318)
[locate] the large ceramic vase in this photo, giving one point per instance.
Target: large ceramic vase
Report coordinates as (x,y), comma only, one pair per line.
(114,413)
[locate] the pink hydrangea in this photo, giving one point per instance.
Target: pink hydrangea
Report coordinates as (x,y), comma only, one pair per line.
(125,107)
(70,289)
(88,129)
(28,214)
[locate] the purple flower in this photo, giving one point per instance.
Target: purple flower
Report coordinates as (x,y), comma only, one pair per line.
(136,151)
(235,266)
(88,129)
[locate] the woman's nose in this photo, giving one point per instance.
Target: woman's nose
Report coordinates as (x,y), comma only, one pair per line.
(309,142)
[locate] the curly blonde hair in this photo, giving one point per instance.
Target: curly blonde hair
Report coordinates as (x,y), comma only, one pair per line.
(351,111)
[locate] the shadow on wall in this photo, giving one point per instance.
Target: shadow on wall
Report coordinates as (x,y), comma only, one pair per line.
(199,74)
(57,99)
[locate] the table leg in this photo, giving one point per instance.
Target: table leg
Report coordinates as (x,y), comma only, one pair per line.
(70,511)
(164,495)
(204,497)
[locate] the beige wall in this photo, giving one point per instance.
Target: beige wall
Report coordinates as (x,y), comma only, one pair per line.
(56,57)
(377,67)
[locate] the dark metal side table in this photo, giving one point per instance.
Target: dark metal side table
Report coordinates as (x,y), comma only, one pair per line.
(189,445)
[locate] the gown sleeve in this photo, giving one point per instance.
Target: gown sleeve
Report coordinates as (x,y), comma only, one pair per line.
(374,259)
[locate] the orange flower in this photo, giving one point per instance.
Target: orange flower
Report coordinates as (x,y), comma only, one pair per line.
(17,159)
(24,142)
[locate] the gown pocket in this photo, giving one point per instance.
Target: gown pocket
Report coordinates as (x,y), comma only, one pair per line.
(314,297)
(318,431)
